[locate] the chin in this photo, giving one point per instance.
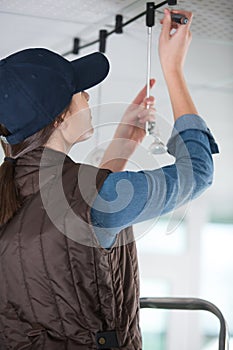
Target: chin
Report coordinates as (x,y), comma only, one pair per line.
(86,136)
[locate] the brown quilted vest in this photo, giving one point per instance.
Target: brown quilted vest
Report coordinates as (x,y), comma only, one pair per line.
(58,288)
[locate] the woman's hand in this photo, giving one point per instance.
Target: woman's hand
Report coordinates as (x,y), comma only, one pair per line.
(130,132)
(140,111)
(174,42)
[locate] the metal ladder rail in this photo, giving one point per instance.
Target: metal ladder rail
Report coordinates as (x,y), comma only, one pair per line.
(190,304)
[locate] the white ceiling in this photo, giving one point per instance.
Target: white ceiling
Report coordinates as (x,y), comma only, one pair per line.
(209,70)
(213,19)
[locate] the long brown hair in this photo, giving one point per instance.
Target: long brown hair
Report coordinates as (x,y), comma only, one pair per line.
(10,200)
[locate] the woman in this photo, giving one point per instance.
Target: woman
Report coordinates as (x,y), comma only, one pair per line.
(68,268)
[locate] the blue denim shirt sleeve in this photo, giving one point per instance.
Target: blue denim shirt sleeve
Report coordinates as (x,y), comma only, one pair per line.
(129,197)
(192,122)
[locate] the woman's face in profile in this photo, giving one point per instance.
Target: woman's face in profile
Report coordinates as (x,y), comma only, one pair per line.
(78,119)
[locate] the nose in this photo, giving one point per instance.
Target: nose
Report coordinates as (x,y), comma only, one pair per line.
(87,96)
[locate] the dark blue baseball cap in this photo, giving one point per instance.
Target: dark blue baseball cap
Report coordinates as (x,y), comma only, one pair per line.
(36,85)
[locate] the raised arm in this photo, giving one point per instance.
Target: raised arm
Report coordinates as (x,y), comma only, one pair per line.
(173,47)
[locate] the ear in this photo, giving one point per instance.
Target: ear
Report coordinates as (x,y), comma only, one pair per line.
(56,124)
(61,119)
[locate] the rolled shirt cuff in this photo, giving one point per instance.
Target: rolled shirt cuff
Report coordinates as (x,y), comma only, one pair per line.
(191,122)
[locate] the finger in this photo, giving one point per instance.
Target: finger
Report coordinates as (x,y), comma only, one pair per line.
(187,14)
(142,94)
(148,101)
(174,25)
(147,113)
(166,24)
(148,118)
(152,82)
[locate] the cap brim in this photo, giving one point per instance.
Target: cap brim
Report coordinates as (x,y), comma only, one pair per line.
(90,70)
